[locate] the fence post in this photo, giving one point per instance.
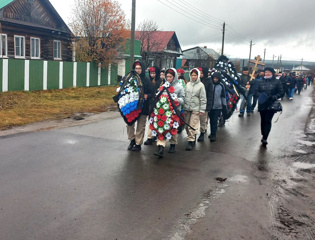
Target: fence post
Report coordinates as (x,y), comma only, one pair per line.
(5,71)
(75,66)
(60,75)
(45,75)
(109,73)
(88,74)
(27,75)
(99,75)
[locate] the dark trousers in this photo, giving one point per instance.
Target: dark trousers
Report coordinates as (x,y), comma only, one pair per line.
(265,124)
(214,117)
(255,98)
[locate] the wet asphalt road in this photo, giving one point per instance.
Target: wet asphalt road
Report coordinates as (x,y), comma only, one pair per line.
(81,183)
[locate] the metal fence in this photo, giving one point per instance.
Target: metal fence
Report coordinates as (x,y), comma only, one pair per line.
(29,75)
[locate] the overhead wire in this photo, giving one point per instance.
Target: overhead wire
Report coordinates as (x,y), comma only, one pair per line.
(194,18)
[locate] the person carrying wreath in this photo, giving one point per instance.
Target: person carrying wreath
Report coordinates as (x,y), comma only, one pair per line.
(166,118)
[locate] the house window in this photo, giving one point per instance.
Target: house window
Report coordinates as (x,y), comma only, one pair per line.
(35,48)
(57,50)
(3,45)
(19,46)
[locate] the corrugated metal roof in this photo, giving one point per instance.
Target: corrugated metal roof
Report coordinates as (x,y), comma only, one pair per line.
(4,3)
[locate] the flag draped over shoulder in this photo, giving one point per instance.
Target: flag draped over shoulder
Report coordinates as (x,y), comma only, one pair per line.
(130,97)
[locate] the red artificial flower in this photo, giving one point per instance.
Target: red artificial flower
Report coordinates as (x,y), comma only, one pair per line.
(163,118)
(174,131)
(234,102)
(171,89)
(175,118)
(160,137)
(160,123)
(161,111)
(158,117)
(176,103)
(152,114)
(151,127)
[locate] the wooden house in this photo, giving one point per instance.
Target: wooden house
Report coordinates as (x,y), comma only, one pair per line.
(32,29)
(159,48)
(199,57)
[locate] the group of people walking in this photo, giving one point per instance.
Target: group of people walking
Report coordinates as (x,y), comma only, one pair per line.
(170,101)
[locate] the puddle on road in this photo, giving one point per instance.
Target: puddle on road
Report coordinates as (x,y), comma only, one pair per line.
(70,141)
(303,165)
(300,151)
(307,143)
(239,178)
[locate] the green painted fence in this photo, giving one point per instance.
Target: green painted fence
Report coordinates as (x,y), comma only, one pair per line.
(29,75)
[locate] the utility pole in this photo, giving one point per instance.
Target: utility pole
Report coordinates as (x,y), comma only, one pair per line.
(222,50)
(301,66)
(132,38)
(250,51)
(273,58)
(264,54)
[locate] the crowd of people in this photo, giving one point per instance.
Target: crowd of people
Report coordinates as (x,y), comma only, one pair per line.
(171,103)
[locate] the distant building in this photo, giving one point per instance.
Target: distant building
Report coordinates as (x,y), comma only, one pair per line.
(159,48)
(300,70)
(32,29)
(199,57)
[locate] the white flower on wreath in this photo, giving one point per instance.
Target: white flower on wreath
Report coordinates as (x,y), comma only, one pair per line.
(167,127)
(168,135)
(168,114)
(166,107)
(155,119)
(168,121)
(155,125)
(154,133)
(118,89)
(161,130)
(158,104)
(156,112)
(175,125)
(151,120)
(163,99)
(173,95)
(166,84)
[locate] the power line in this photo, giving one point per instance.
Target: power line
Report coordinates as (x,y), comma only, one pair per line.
(194,19)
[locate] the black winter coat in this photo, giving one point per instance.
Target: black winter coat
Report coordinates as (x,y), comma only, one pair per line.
(207,81)
(147,89)
(292,82)
(272,88)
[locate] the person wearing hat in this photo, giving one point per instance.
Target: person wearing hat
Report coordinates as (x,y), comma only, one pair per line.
(244,80)
(300,83)
(207,81)
(181,77)
(136,136)
(215,107)
(194,105)
(154,74)
(269,89)
(179,93)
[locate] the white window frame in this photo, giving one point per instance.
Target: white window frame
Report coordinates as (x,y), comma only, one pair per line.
(57,58)
(21,37)
(1,45)
(31,48)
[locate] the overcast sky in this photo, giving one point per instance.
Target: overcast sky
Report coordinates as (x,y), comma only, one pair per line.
(282,27)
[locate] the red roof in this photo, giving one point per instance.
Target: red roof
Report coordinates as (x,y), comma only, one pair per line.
(158,39)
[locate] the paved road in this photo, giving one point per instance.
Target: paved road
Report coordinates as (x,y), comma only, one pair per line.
(80,182)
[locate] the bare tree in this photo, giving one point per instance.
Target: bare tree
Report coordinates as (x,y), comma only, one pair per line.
(149,44)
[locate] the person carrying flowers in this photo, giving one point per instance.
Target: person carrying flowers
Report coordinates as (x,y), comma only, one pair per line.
(166,116)
(194,106)
(133,99)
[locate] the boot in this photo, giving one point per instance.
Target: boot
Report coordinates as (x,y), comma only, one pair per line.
(131,144)
(148,141)
(212,138)
(189,146)
(136,148)
(194,142)
(172,148)
(201,137)
(241,115)
(160,151)
(264,142)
